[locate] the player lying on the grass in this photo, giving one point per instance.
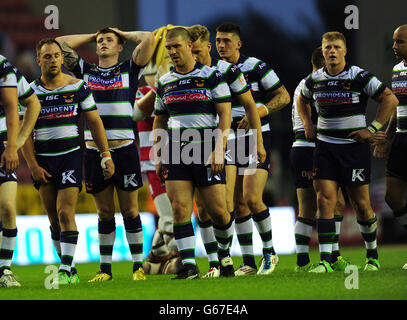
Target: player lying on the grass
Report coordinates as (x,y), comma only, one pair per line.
(342,154)
(54,156)
(241,95)
(302,155)
(270,96)
(396,172)
(188,100)
(114,85)
(14,88)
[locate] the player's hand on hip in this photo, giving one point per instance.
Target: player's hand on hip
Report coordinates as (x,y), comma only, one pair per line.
(360,135)
(9,159)
(40,175)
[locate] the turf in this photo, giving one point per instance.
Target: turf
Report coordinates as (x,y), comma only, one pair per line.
(390,283)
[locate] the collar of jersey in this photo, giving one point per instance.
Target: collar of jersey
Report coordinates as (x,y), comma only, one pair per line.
(346,69)
(198,66)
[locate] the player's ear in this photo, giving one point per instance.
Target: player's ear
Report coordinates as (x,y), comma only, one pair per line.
(239,44)
(209,46)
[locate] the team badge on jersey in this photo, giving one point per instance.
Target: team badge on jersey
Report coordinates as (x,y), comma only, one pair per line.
(116,71)
(68,97)
(346,85)
(199,82)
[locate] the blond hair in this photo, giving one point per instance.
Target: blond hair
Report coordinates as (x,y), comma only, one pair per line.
(334,35)
(198,31)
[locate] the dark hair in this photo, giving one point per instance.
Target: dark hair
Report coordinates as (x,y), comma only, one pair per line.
(109,30)
(178,31)
(229,27)
(42,42)
(317,58)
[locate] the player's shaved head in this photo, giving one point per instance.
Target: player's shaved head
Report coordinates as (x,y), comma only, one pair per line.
(178,32)
(400,42)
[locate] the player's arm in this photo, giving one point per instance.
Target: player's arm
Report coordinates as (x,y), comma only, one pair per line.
(277,99)
(145,45)
(38,173)
(9,158)
(160,138)
(98,132)
(387,106)
(223,109)
(253,121)
(382,145)
(304,111)
(69,43)
(30,118)
(144,106)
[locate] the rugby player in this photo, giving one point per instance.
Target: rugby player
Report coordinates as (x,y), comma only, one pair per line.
(164,252)
(270,96)
(14,89)
(302,154)
(114,85)
(342,154)
(54,156)
(188,100)
(201,48)
(396,174)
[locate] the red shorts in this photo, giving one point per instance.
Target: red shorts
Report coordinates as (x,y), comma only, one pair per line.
(156,187)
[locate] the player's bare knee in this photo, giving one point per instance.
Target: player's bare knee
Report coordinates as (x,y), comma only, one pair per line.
(129,213)
(8,210)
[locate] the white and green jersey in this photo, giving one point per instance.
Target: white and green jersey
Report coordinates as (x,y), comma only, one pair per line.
(399,88)
(341,101)
(10,76)
(189,99)
(298,126)
(261,79)
(56,130)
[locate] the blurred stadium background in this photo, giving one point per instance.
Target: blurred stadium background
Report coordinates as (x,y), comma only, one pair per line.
(282,33)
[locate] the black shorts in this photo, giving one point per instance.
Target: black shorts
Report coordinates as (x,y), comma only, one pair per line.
(240,152)
(66,170)
(348,164)
(397,161)
(199,174)
(302,162)
(4,177)
(127,176)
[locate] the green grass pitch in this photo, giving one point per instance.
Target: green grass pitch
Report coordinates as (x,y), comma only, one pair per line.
(390,283)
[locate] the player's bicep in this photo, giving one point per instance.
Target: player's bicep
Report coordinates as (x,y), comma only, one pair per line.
(71,57)
(9,97)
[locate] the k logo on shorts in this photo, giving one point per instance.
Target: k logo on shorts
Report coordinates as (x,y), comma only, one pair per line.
(130,180)
(68,176)
(358,174)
